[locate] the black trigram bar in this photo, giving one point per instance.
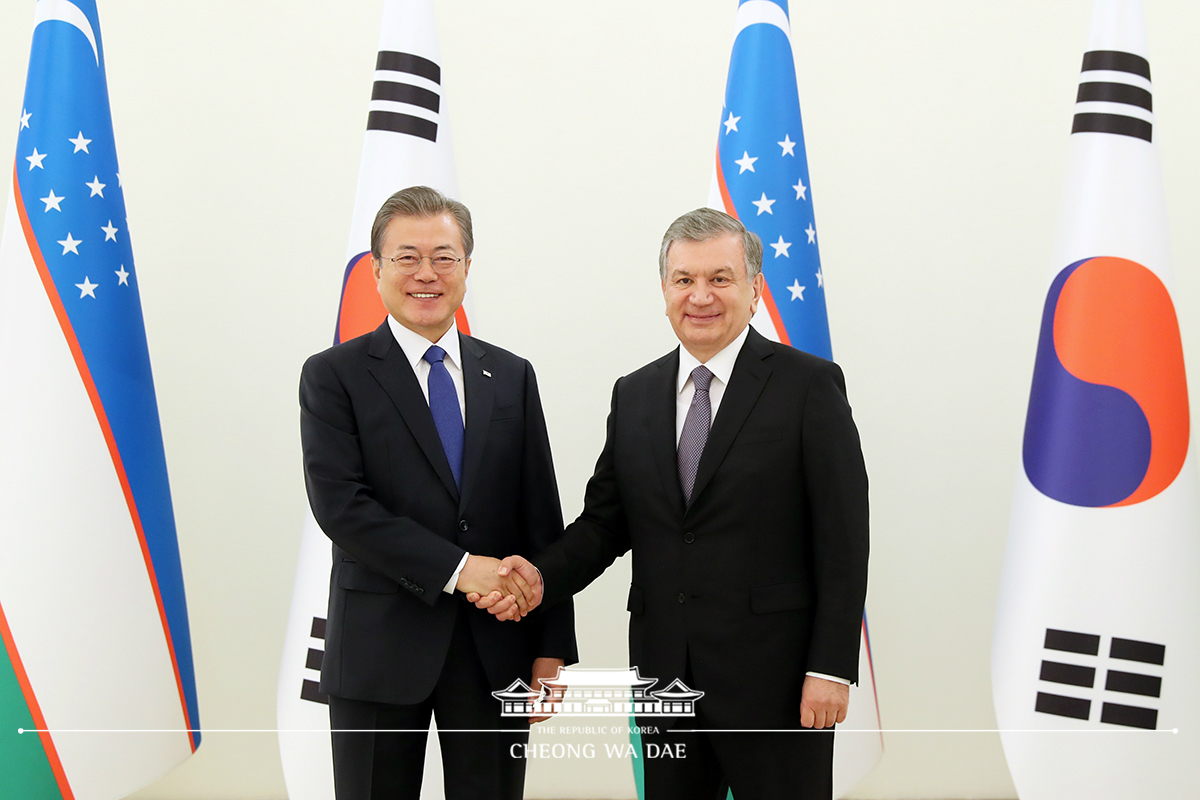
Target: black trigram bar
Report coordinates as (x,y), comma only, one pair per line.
(1131,650)
(1132,683)
(1102,92)
(311,691)
(1129,716)
(314,659)
(407,62)
(1071,642)
(391,61)
(402,123)
(1116,61)
(1070,674)
(318,628)
(1074,707)
(406,93)
(1113,92)
(1113,123)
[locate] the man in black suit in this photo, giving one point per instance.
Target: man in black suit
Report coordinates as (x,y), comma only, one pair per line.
(418,506)
(733,471)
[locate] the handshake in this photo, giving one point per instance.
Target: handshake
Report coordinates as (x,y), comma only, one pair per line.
(509,589)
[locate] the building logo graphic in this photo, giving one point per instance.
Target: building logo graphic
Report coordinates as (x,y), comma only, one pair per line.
(599,693)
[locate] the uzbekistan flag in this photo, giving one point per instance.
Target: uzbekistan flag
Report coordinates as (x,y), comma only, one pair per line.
(1096,646)
(407,144)
(761,177)
(92,610)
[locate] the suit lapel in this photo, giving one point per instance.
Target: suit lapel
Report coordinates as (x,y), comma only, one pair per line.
(478,392)
(750,373)
(395,375)
(660,426)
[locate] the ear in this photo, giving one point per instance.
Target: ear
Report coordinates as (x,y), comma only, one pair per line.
(376,267)
(757,285)
(466,266)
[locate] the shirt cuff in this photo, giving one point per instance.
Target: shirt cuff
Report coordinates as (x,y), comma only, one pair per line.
(833,678)
(450,584)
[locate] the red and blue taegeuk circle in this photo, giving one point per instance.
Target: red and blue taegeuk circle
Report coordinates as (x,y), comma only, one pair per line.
(1108,421)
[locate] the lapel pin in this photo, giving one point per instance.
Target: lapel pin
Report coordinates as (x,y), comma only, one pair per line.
(487,374)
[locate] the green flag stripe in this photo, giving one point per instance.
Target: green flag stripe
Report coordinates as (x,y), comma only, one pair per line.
(639,774)
(25,769)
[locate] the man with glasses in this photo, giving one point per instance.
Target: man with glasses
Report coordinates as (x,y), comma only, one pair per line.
(426,457)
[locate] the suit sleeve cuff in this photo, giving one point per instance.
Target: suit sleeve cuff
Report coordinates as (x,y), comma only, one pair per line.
(833,678)
(450,584)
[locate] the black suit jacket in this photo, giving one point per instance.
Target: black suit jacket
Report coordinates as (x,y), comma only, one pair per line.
(381,488)
(763,577)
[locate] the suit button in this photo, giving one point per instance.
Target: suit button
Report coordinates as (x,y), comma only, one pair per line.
(682,597)
(462,525)
(689,537)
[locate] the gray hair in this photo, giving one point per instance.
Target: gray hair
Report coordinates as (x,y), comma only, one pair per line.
(420,201)
(704,224)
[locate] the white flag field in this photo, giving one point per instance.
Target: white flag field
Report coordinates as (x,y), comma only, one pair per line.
(407,143)
(1096,646)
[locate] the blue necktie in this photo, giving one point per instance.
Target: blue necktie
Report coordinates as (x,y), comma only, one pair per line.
(447,416)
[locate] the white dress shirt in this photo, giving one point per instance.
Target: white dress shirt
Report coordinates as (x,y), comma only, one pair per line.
(414,346)
(721,366)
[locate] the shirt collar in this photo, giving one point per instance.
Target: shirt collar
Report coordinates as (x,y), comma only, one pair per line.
(414,344)
(721,365)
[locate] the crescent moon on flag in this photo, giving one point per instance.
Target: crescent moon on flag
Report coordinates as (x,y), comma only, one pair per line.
(68,12)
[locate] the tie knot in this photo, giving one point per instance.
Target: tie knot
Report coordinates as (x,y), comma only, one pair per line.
(434,354)
(701,378)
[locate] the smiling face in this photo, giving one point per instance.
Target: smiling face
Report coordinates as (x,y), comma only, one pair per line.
(425,301)
(709,300)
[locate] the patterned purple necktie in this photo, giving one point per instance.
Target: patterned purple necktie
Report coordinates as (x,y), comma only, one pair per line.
(447,416)
(695,431)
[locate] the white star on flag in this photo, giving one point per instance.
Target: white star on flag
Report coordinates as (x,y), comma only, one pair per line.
(80,143)
(52,201)
(781,247)
(122,276)
(87,288)
(96,186)
(25,115)
(745,162)
(820,279)
(763,204)
(797,290)
(35,160)
(800,190)
(788,146)
(110,233)
(812,234)
(731,123)
(70,244)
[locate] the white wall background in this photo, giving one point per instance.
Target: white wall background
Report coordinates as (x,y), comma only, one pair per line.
(936,131)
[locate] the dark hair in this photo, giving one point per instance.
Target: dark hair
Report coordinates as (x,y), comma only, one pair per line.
(421,201)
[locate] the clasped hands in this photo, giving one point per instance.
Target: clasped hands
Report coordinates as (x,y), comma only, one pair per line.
(509,588)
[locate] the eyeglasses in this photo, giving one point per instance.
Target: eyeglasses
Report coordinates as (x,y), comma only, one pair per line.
(409,263)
